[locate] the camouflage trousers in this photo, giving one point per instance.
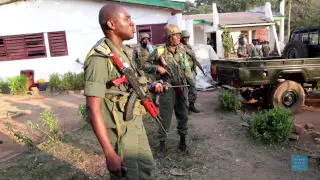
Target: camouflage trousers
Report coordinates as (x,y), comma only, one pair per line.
(173,101)
(192,92)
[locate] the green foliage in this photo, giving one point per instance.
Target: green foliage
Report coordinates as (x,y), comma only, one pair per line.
(79,81)
(18,85)
(227,41)
(52,128)
(303,13)
(4,86)
(66,81)
(273,126)
(228,100)
(83,112)
(19,137)
(55,82)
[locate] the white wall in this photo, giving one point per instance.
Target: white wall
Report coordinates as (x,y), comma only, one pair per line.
(199,35)
(79,18)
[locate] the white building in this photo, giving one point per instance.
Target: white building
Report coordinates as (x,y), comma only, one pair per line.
(258,23)
(47,36)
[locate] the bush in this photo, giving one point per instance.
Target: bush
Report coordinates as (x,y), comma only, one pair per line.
(79,81)
(18,85)
(273,126)
(55,82)
(4,86)
(83,112)
(67,81)
(228,100)
(52,128)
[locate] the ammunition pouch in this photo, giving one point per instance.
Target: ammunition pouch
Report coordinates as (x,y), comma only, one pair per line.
(121,102)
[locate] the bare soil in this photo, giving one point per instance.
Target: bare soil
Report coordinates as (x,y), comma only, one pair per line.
(220,148)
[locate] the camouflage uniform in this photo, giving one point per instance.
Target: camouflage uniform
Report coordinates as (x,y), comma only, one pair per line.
(128,138)
(265,50)
(139,56)
(172,100)
(256,52)
(192,90)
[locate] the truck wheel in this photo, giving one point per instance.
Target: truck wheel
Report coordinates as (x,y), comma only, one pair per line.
(295,49)
(245,95)
(288,94)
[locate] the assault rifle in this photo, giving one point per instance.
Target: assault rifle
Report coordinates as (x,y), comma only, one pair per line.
(128,76)
(194,60)
(169,78)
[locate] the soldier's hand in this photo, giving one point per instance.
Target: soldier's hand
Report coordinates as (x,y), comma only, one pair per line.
(162,71)
(114,164)
(157,87)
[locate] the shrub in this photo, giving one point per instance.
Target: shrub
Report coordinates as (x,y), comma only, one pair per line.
(52,128)
(83,112)
(55,82)
(4,86)
(273,126)
(79,81)
(228,100)
(18,85)
(67,81)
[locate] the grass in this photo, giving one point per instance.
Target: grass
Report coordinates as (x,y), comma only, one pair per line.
(79,156)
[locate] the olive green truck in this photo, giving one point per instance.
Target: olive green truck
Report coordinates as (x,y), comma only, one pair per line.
(277,82)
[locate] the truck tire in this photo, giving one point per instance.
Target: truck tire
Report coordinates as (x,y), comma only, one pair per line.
(288,94)
(295,49)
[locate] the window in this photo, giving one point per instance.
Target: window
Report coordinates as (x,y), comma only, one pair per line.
(295,36)
(22,47)
(314,37)
(58,43)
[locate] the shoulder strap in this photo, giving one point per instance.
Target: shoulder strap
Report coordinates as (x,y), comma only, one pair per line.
(160,51)
(101,48)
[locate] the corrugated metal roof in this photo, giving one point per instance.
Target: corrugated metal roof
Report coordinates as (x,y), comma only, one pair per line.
(236,18)
(232,18)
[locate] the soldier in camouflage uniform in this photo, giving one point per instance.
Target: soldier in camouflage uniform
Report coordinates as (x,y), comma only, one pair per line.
(171,63)
(124,143)
(141,54)
(193,65)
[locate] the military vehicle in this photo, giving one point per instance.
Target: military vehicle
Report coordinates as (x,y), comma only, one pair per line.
(277,81)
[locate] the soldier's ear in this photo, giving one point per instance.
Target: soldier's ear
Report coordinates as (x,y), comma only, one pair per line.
(111,25)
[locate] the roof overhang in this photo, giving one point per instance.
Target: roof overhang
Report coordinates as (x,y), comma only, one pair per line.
(176,5)
(245,25)
(3,2)
(202,22)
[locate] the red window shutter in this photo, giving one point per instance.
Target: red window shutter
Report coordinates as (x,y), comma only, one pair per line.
(35,46)
(58,43)
(22,47)
(15,47)
(3,54)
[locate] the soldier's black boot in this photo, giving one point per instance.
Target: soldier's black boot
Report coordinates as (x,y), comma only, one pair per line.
(193,109)
(161,150)
(183,144)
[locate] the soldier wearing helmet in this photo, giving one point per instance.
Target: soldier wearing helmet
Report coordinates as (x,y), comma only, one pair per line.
(193,63)
(170,62)
(141,53)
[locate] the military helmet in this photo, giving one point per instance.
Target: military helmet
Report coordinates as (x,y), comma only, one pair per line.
(144,35)
(171,29)
(185,34)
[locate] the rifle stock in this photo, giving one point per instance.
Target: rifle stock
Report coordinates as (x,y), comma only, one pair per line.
(138,93)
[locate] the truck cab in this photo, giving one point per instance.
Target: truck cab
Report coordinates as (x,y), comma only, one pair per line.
(303,42)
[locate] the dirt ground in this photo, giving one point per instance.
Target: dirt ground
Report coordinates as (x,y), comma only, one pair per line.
(220,147)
